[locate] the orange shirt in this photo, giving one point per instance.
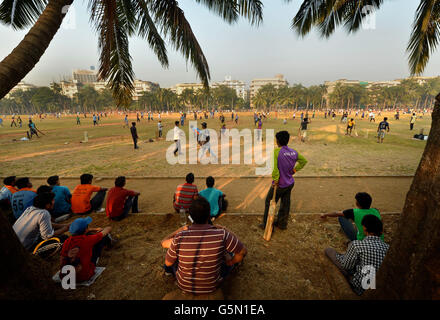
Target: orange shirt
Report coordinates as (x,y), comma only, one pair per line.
(81,197)
(12,189)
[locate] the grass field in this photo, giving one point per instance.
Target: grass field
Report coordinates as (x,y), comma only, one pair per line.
(133,267)
(109,151)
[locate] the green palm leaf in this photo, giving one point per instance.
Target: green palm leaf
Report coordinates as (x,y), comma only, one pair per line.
(21,13)
(425,35)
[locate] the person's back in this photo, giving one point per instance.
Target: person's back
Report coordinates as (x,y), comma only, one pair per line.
(116,199)
(383,125)
(200,250)
(78,250)
(184,195)
(33,224)
(285,161)
(81,195)
(8,189)
(23,198)
(62,199)
(213,196)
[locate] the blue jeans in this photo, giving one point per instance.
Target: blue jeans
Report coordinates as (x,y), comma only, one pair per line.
(348,228)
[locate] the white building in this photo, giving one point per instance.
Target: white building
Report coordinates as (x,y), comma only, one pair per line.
(237,85)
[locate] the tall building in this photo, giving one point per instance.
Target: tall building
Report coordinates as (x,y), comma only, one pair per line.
(237,85)
(85,76)
(257,84)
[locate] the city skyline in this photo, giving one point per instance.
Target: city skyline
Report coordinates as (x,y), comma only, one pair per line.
(245,52)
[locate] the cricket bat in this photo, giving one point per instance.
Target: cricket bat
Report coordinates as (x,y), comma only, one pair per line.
(270,217)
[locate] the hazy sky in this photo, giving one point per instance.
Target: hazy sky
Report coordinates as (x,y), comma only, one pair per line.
(245,52)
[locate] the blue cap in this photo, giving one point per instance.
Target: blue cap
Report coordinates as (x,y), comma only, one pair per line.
(79,225)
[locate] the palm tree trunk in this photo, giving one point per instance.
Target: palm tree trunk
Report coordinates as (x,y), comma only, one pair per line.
(410,268)
(29,51)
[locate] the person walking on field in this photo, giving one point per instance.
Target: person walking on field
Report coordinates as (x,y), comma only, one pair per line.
(287,162)
(134,134)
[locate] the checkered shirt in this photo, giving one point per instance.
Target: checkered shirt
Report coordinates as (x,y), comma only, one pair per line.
(368,252)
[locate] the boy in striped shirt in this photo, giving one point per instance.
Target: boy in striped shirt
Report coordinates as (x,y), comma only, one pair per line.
(185,194)
(202,255)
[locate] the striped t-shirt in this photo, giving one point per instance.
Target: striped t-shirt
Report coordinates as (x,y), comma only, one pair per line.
(200,252)
(184,195)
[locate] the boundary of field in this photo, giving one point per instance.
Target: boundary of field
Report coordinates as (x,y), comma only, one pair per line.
(236,214)
(224,177)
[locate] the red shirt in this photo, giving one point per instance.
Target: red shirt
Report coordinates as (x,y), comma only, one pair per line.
(184,195)
(85,243)
(116,200)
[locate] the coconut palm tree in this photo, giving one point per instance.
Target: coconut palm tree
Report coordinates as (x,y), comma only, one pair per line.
(114,21)
(410,269)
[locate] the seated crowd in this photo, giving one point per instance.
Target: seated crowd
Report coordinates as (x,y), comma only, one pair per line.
(200,255)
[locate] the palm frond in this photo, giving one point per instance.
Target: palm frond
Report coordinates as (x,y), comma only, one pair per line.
(252,10)
(425,35)
(21,13)
(327,15)
(147,30)
(113,27)
(226,9)
(174,25)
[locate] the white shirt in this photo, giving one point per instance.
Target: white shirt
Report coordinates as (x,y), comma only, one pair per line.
(176,133)
(31,225)
(204,134)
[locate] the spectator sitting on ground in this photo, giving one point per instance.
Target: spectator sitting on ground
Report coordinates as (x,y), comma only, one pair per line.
(23,198)
(62,209)
(201,256)
(216,199)
(120,201)
(363,255)
(363,204)
(83,249)
(6,197)
(35,224)
(81,196)
(8,190)
(185,194)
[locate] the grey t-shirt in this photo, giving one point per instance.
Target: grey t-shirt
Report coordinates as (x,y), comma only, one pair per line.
(31,225)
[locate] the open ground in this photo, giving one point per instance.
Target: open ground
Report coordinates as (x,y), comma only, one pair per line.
(292,265)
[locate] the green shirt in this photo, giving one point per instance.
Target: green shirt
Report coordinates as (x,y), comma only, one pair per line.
(359,214)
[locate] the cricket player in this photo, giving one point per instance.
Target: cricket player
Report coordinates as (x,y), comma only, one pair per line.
(204,142)
(383,126)
(159,128)
(134,134)
(177,133)
(287,162)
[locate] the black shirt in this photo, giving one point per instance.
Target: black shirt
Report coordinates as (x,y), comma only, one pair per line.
(134,132)
(384,125)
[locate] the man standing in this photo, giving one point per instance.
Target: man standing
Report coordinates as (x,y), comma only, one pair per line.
(134,134)
(412,121)
(159,128)
(204,142)
(78,121)
(303,129)
(286,163)
(177,137)
(13,121)
(95,121)
(381,130)
(259,129)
